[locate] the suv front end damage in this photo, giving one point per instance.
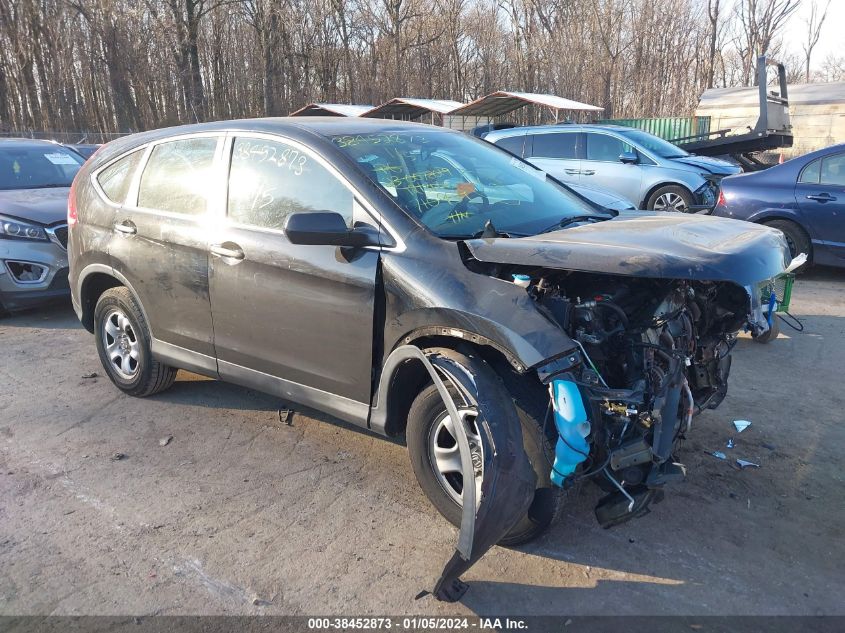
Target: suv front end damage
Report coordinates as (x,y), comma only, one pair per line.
(654,349)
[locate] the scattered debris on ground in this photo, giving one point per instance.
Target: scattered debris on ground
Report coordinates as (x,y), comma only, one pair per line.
(741,425)
(165,440)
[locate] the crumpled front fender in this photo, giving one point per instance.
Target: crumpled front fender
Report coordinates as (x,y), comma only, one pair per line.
(508,481)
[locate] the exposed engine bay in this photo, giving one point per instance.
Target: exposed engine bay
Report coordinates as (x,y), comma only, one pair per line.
(655,353)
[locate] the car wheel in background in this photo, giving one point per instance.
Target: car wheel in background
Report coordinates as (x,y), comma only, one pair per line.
(670,198)
(435,457)
(123,343)
(796,237)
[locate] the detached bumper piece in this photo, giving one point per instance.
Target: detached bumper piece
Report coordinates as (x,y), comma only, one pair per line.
(508,480)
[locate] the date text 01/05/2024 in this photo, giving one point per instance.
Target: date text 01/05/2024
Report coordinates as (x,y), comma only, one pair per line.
(416,623)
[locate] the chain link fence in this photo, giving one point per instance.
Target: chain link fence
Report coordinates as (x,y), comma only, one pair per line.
(65,136)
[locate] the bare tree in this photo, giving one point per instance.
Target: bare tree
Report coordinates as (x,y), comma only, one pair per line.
(814,31)
(761,22)
(107,65)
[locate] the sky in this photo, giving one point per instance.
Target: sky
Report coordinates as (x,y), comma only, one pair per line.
(831,39)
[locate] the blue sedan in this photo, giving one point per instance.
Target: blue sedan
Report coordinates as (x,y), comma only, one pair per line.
(804,197)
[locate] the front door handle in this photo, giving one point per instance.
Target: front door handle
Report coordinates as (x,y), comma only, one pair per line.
(588,172)
(127,227)
(228,250)
(822,197)
(572,172)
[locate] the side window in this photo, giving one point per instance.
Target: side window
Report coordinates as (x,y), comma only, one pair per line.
(178,176)
(269,180)
(555,145)
(116,179)
(811,172)
(833,170)
(512,143)
(605,148)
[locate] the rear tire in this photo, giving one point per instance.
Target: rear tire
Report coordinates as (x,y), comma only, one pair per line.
(670,198)
(123,344)
(427,413)
(796,237)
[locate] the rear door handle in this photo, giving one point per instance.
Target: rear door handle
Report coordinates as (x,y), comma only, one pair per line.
(572,172)
(588,172)
(233,251)
(822,197)
(127,227)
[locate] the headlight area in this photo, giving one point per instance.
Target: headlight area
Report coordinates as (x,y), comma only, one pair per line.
(13,228)
(707,193)
(33,265)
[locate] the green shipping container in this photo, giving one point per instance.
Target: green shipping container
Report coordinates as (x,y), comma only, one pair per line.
(669,128)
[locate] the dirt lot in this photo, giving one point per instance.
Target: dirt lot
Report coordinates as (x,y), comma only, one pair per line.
(242,514)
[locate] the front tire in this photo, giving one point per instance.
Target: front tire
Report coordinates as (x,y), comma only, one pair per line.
(670,198)
(437,468)
(123,344)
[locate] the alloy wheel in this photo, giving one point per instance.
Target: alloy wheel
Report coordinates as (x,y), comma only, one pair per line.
(121,344)
(670,202)
(444,453)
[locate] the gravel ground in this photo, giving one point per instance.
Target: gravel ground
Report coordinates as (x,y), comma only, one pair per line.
(239,514)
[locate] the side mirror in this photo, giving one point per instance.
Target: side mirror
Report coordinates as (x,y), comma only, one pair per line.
(328,229)
(629,158)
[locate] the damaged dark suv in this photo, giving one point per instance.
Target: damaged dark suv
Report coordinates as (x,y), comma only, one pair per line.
(312,259)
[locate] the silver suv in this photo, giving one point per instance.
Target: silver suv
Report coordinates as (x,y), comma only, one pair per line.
(646,170)
(35,178)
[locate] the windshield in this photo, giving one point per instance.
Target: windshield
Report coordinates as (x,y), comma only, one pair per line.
(655,144)
(37,167)
(453,183)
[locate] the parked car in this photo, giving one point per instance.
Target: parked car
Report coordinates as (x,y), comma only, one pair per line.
(646,170)
(35,178)
(450,173)
(803,197)
(481,131)
(304,257)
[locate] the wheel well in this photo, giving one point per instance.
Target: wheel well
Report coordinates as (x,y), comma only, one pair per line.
(650,192)
(93,287)
(411,378)
(771,219)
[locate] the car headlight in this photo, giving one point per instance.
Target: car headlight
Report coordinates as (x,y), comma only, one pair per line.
(707,192)
(18,229)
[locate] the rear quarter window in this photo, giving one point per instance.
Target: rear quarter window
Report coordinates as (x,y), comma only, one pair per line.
(116,179)
(512,143)
(810,174)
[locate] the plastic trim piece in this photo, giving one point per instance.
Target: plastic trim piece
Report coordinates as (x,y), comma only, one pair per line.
(508,480)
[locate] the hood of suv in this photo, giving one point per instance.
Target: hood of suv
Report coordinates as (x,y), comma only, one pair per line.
(709,165)
(46,206)
(653,245)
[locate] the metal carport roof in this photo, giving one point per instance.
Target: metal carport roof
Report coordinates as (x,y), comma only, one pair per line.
(502,102)
(331,109)
(410,108)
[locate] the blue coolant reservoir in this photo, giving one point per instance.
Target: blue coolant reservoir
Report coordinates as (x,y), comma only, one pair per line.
(573,427)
